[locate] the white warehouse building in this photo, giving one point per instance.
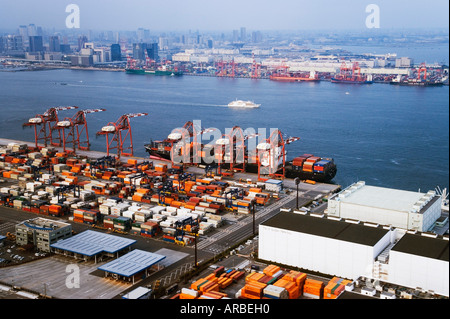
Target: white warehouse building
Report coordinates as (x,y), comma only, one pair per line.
(419,261)
(328,246)
(351,250)
(385,206)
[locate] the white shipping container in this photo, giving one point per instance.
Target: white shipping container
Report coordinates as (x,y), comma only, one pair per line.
(190,292)
(128,213)
(277,292)
(169,213)
(157,209)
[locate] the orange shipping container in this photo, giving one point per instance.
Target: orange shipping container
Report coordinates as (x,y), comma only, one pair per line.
(187,296)
(132,161)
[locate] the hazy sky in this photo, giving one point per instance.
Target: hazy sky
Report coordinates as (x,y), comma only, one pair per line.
(207,15)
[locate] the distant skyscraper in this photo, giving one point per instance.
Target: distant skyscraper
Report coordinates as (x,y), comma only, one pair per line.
(65,48)
(13,43)
(32,30)
(152,51)
(140,35)
(243,34)
(54,44)
(256,36)
(210,44)
(139,51)
(235,35)
(143,34)
(23,31)
(2,45)
(36,44)
(116,54)
(82,39)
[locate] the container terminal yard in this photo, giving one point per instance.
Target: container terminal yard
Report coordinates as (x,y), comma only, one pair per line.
(154,228)
(133,236)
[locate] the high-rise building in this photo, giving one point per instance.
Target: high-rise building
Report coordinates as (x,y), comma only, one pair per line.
(23,31)
(14,43)
(152,51)
(36,44)
(256,36)
(139,51)
(82,39)
(2,45)
(65,48)
(54,44)
(235,35)
(32,30)
(243,34)
(116,54)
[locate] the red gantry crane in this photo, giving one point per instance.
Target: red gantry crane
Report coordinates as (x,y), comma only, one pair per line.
(121,132)
(230,152)
(43,124)
(183,152)
(256,69)
(422,70)
(271,155)
(76,127)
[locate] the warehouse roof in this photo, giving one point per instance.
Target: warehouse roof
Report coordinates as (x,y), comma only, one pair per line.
(90,243)
(324,227)
(385,198)
(435,248)
(132,263)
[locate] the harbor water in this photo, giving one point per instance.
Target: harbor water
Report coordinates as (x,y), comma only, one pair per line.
(389,136)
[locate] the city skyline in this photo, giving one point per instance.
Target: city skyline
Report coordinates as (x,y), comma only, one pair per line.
(177,15)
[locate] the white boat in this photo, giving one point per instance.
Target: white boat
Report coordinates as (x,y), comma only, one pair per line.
(243,104)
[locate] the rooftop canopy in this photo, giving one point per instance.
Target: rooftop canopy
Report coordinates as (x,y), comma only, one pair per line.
(132,263)
(90,243)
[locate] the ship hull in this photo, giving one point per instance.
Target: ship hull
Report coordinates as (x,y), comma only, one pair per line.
(135,71)
(334,80)
(416,83)
(292,79)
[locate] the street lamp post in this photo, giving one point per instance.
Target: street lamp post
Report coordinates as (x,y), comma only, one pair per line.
(297,181)
(253,213)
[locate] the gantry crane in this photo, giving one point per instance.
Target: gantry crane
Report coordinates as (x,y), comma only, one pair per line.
(230,151)
(183,144)
(76,126)
(131,63)
(422,70)
(224,69)
(121,132)
(271,155)
(256,69)
(46,121)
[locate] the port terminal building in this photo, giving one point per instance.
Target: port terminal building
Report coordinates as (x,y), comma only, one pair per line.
(351,249)
(42,233)
(397,208)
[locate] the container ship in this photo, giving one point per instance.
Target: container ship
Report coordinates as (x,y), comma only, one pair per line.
(351,75)
(417,81)
(295,77)
(305,167)
(422,78)
(159,71)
